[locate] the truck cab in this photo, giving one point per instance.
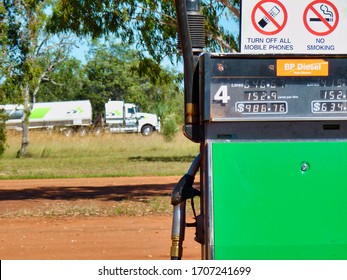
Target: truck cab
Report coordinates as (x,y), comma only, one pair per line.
(126,117)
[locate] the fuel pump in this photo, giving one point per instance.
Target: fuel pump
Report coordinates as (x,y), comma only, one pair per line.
(273,153)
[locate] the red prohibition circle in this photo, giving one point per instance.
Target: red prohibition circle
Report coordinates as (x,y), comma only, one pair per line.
(331,28)
(279,26)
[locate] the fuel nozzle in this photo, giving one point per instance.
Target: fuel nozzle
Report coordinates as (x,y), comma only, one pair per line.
(183,190)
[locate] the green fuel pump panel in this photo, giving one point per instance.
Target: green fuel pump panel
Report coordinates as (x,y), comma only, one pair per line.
(279,200)
(274,174)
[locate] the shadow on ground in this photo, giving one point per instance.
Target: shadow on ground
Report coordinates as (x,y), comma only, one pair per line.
(163,159)
(104,193)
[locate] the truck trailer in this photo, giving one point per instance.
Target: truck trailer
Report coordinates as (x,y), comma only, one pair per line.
(68,116)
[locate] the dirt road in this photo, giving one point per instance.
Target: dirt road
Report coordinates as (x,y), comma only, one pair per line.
(86,237)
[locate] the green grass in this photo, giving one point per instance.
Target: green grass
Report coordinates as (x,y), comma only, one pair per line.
(108,155)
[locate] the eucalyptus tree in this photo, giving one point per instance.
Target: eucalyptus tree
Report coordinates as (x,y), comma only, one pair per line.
(32,53)
(149,25)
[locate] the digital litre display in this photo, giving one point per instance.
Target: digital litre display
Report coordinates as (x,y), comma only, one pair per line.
(260,95)
(243,88)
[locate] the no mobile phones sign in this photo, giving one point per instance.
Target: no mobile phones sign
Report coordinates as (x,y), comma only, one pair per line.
(300,26)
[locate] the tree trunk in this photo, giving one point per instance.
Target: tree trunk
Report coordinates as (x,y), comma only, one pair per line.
(25,123)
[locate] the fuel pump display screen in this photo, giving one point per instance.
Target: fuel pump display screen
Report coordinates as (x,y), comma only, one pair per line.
(248,88)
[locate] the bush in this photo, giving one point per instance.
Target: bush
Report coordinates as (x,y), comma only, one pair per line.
(170,128)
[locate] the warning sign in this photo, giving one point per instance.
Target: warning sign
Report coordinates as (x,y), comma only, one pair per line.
(269,17)
(294,27)
(321,17)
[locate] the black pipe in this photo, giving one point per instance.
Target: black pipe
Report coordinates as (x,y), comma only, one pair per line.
(188,57)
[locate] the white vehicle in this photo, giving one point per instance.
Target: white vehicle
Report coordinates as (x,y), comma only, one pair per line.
(68,116)
(126,117)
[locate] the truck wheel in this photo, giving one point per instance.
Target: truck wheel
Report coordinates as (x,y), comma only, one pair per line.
(97,131)
(147,130)
(82,131)
(68,132)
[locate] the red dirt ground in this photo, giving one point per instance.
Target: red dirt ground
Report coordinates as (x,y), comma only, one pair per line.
(82,237)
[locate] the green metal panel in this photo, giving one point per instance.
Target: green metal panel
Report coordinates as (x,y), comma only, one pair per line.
(279,200)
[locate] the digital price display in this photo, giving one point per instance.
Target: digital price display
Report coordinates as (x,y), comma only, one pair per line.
(267,88)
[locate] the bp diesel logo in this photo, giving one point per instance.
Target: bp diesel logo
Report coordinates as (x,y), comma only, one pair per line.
(302,67)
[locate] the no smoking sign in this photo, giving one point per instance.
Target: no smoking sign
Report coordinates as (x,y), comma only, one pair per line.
(321,17)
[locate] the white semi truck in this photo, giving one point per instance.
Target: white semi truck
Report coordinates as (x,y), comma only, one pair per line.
(76,117)
(126,117)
